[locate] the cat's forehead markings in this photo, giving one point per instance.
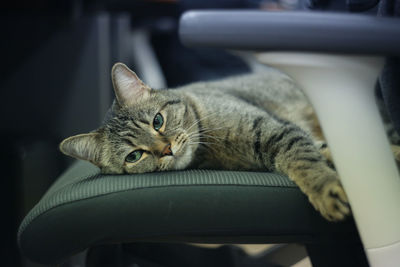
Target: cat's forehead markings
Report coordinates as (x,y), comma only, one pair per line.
(171,102)
(127,133)
(144,121)
(134,125)
(129,141)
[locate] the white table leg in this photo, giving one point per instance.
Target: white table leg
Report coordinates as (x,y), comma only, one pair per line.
(341,89)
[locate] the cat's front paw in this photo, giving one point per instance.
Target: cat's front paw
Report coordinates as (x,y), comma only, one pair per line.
(331,201)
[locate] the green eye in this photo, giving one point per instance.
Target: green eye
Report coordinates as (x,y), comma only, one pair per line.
(158,122)
(134,156)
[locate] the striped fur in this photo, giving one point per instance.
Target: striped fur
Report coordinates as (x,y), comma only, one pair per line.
(251,122)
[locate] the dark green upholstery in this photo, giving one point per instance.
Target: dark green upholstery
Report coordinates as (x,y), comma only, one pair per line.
(84,208)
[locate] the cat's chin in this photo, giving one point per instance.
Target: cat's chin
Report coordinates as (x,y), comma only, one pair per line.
(184,159)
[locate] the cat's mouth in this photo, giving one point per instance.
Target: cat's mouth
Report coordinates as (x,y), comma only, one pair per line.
(179,144)
(184,159)
(181,155)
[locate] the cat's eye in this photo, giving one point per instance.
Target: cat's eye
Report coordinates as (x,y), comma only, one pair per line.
(158,122)
(134,156)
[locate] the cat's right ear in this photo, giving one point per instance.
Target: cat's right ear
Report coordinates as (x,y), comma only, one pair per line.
(129,89)
(83,146)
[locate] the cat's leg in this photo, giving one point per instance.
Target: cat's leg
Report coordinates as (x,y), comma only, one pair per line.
(325,151)
(312,125)
(289,150)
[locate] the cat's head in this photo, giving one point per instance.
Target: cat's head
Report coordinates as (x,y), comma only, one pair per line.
(149,130)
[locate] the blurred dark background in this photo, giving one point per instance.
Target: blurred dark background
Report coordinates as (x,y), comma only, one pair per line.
(56,58)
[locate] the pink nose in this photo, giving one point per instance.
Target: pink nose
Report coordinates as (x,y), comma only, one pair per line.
(167,150)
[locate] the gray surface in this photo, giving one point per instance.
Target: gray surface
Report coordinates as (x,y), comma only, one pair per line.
(291,31)
(84,208)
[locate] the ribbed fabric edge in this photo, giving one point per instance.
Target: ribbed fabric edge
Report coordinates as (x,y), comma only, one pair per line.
(92,184)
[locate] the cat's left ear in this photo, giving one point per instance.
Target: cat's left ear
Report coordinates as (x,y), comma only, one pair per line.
(83,146)
(129,89)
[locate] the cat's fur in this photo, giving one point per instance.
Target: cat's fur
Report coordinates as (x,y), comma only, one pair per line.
(250,122)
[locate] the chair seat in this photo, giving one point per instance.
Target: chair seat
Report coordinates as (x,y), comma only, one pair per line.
(84,208)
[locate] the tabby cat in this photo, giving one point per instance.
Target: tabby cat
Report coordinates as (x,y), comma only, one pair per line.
(249,122)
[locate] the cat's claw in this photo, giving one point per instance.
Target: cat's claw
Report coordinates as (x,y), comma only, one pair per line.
(332,202)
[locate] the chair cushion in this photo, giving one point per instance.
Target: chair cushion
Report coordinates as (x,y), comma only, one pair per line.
(84,208)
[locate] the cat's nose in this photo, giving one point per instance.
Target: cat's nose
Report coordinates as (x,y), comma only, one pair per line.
(167,150)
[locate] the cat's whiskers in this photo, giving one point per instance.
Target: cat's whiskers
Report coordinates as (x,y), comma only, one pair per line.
(208,145)
(208,141)
(217,139)
(172,131)
(202,143)
(212,136)
(200,120)
(207,130)
(201,136)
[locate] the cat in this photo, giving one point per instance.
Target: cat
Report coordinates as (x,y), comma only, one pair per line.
(248,122)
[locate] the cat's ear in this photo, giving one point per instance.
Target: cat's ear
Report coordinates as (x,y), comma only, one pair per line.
(129,89)
(83,146)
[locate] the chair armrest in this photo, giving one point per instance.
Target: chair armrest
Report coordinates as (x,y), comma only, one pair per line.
(291,31)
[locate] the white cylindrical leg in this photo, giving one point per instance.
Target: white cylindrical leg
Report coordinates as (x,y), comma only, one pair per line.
(341,89)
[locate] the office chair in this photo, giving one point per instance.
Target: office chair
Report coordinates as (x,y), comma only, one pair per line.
(84,208)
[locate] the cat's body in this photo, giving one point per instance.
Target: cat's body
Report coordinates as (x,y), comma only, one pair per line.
(240,113)
(251,122)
